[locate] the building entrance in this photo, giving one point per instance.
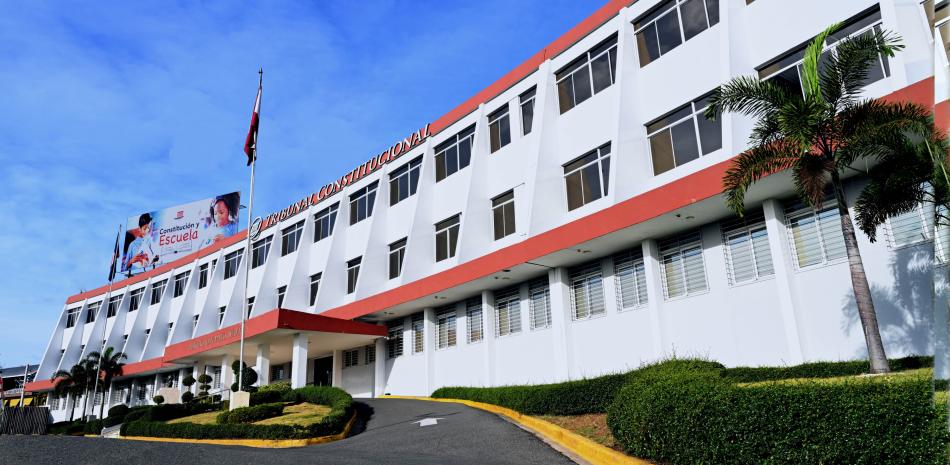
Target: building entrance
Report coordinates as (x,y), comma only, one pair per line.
(323,371)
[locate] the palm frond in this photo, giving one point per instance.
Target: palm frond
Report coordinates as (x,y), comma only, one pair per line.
(896,186)
(843,72)
(810,79)
(752,165)
(747,95)
(812,176)
(876,129)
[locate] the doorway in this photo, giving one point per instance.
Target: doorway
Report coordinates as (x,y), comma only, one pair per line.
(323,371)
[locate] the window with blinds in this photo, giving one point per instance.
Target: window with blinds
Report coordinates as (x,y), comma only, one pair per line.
(746,246)
(445,327)
(507,311)
(473,319)
(351,358)
(587,291)
(394,341)
(418,333)
(630,280)
(539,297)
(909,228)
(370,354)
(815,233)
(682,267)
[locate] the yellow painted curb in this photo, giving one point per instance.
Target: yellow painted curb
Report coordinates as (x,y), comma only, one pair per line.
(583,447)
(260,443)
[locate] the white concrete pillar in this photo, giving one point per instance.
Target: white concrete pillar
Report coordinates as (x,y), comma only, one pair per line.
(784,270)
(488,336)
(379,368)
(336,375)
(298,368)
(262,366)
(227,376)
(428,324)
(559,280)
(182,373)
(651,266)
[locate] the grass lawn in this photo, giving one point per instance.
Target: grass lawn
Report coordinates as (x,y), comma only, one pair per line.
(920,372)
(592,426)
(300,414)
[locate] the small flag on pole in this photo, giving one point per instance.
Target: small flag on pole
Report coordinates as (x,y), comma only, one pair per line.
(115,258)
(250,144)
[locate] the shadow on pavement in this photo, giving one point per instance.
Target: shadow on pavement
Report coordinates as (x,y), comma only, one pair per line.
(363,414)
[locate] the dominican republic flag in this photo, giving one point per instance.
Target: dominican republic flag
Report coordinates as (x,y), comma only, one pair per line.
(115,258)
(250,144)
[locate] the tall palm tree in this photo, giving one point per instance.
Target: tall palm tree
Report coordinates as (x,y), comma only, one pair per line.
(72,382)
(110,366)
(818,132)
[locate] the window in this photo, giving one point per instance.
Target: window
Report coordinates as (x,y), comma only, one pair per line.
(323,222)
(589,74)
(499,128)
(352,274)
(671,24)
(909,228)
(394,341)
(746,244)
(221,311)
(418,333)
(503,214)
(397,252)
(290,238)
(141,392)
(231,262)
(135,299)
(454,154)
(157,290)
(681,263)
(361,203)
(941,24)
(586,177)
(277,373)
(683,135)
(539,297)
(72,315)
(92,310)
(815,233)
(473,319)
(194,322)
(507,312)
(181,280)
(214,265)
(249,307)
(216,378)
(314,287)
(203,276)
(404,181)
(630,279)
(281,292)
(587,291)
(446,238)
(445,327)
(786,70)
(527,110)
(113,306)
(369,354)
(259,251)
(351,358)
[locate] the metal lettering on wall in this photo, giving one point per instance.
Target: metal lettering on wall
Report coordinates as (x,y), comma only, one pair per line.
(399,148)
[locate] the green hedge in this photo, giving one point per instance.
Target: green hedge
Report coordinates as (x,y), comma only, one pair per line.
(67,427)
(821,369)
(266,397)
(571,398)
(250,414)
(93,427)
(340,403)
(696,416)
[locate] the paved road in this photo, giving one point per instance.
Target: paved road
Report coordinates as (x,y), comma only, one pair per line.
(390,437)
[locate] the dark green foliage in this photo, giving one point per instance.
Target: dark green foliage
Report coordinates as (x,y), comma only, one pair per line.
(71,428)
(250,376)
(821,369)
(119,410)
(571,398)
(158,400)
(698,416)
(187,396)
(250,414)
(93,427)
(188,381)
(173,411)
(340,403)
(266,397)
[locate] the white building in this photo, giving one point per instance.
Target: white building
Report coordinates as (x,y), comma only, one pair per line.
(565,222)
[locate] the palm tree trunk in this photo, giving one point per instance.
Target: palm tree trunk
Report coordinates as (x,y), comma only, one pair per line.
(71,403)
(102,406)
(859,282)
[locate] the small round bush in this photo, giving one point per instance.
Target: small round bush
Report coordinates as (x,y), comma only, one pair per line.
(187,396)
(159,400)
(119,410)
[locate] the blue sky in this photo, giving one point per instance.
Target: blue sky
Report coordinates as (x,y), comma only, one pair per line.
(114,108)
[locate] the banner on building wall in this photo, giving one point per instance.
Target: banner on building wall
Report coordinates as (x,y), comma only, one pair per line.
(158,237)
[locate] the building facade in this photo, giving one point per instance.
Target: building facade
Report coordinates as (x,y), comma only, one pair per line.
(565,222)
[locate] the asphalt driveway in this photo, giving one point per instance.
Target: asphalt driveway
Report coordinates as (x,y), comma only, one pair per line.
(392,435)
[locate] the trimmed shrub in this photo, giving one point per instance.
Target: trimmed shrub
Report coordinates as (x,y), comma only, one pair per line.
(250,414)
(698,416)
(93,427)
(249,378)
(821,369)
(159,400)
(71,428)
(279,386)
(119,410)
(266,397)
(187,396)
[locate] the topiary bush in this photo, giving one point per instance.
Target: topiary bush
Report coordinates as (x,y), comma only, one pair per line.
(250,414)
(204,383)
(159,400)
(696,415)
(118,411)
(266,397)
(187,396)
(250,376)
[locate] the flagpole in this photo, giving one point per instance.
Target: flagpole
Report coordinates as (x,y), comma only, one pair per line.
(95,386)
(247,244)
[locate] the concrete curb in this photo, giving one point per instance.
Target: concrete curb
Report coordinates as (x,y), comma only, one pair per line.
(259,443)
(577,444)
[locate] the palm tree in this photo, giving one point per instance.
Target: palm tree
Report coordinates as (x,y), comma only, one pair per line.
(818,132)
(110,366)
(72,382)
